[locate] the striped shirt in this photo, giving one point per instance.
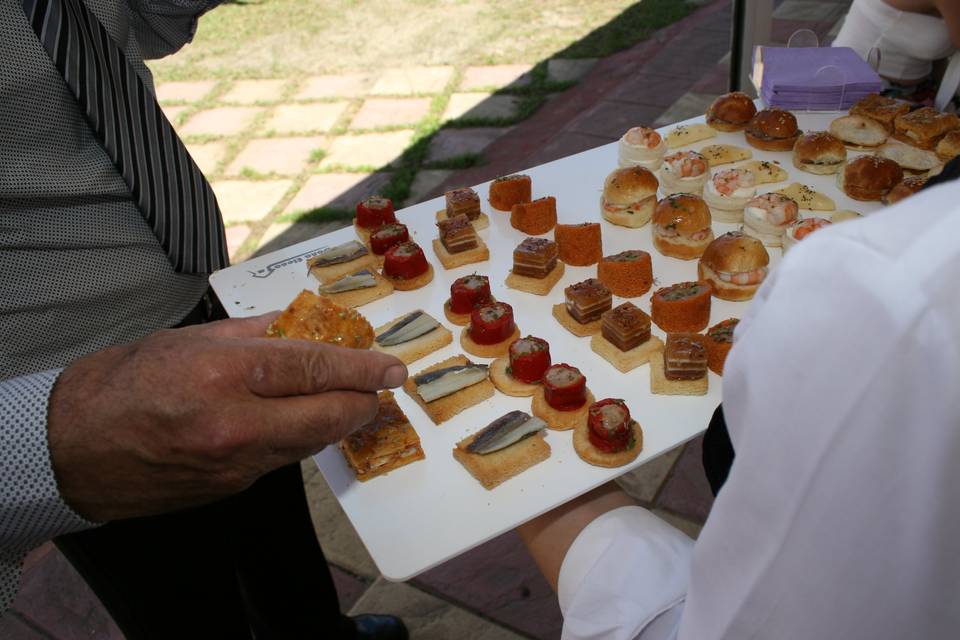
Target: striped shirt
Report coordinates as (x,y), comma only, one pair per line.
(81,268)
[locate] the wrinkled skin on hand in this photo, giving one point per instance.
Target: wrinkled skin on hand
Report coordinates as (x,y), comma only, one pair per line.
(186,416)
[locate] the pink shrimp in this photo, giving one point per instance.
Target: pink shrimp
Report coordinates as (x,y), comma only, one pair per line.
(642,135)
(688,164)
(728,181)
(781,210)
(749,277)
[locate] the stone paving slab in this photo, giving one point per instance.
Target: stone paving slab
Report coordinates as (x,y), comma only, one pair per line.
(248,200)
(337,190)
(611,118)
(283,156)
(505,585)
(644,483)
(689,105)
(566,144)
(653,89)
(687,491)
(367,149)
(54,598)
(400,82)
(337,537)
(496,76)
(184,91)
(304,118)
(452,143)
(427,617)
(236,235)
(349,587)
(424,185)
(481,105)
(333,86)
(563,70)
(208,155)
(255,91)
(813,11)
(173,112)
(388,112)
(692,529)
(220,121)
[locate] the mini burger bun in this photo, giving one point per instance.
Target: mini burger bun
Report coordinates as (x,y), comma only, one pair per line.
(772,130)
(629,185)
(733,252)
(819,153)
(688,214)
(869,178)
(731,112)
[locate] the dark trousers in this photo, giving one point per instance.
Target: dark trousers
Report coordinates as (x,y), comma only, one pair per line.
(249,564)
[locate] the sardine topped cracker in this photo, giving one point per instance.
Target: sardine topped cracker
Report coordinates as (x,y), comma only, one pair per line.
(409,327)
(449,387)
(506,430)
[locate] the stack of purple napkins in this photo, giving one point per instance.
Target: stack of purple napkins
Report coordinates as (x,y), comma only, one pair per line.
(815,78)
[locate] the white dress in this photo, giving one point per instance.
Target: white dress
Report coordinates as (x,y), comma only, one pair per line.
(908,42)
(841,516)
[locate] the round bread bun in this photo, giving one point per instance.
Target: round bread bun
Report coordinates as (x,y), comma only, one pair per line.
(772,130)
(819,152)
(733,252)
(858,131)
(687,214)
(627,186)
(904,189)
(731,112)
(869,178)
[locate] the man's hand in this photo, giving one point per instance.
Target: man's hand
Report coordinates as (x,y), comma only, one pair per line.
(186,416)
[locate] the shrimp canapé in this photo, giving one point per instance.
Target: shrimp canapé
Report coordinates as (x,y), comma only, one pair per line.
(643,136)
(729,181)
(686,164)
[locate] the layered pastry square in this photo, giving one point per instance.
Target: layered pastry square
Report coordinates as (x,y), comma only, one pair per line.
(464,201)
(683,368)
(536,266)
(457,234)
(585,303)
(625,340)
(389,441)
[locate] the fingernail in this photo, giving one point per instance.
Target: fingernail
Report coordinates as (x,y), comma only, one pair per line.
(395,376)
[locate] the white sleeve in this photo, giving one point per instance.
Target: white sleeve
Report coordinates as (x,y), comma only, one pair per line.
(624,577)
(31,509)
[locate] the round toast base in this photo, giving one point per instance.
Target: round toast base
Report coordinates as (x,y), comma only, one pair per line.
(421,280)
(487,350)
(459,319)
(560,420)
(589,453)
(506,383)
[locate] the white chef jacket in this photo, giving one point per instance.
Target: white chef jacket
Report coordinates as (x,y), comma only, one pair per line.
(841,515)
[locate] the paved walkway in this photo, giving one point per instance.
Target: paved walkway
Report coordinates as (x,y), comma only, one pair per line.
(275,148)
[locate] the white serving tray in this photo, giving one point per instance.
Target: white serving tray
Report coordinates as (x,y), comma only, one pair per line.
(421,515)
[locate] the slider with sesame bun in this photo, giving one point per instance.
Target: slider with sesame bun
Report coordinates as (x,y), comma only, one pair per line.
(731,112)
(819,153)
(629,196)
(869,177)
(772,130)
(735,265)
(681,226)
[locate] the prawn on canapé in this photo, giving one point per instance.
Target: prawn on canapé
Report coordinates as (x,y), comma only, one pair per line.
(643,136)
(727,182)
(780,210)
(686,164)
